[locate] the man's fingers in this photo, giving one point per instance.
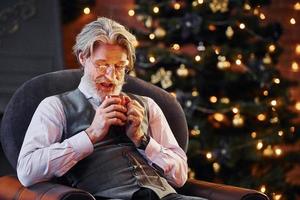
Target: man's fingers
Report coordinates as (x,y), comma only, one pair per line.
(116,114)
(115,121)
(133,120)
(109,101)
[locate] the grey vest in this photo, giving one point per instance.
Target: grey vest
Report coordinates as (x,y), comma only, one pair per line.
(115,169)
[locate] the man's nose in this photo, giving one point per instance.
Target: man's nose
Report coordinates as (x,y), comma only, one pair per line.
(110,72)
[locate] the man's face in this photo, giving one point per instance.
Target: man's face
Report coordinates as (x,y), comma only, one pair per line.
(105,69)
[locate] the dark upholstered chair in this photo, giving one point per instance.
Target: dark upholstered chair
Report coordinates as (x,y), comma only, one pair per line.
(23,104)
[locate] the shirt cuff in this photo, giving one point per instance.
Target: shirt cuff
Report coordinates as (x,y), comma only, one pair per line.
(81,144)
(153,149)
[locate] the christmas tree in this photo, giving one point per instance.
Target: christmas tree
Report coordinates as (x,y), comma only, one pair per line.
(218,58)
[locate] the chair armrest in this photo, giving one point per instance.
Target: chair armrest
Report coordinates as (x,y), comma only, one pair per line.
(11,189)
(214,191)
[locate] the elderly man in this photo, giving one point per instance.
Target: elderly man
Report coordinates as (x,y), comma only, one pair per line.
(112,144)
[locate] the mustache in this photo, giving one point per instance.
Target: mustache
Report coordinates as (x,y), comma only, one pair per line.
(115,81)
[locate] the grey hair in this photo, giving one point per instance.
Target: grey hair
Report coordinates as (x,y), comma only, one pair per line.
(106,31)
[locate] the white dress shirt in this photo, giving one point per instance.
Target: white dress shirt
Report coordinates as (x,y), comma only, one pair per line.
(44,156)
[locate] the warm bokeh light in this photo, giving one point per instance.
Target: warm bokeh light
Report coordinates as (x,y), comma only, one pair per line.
(86,10)
(216,167)
(177,6)
(297,6)
(151,36)
(219,117)
(209,155)
(242,26)
(295,67)
(259,145)
(213,99)
(276,80)
(253,134)
(297,49)
(152,59)
(261,117)
(292,21)
(156,9)
(197,58)
(176,47)
(235,110)
(272,48)
(297,105)
(263,189)
(131,12)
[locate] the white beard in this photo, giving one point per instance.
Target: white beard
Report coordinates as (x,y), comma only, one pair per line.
(97,94)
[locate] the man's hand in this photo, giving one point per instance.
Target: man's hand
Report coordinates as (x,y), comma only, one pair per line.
(135,114)
(110,112)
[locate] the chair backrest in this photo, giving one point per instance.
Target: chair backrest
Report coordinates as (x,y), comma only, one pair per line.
(22,105)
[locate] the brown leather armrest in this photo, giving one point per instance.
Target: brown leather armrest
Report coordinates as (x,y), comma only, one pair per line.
(11,189)
(214,191)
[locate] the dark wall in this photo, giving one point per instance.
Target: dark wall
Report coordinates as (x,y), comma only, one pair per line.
(30,42)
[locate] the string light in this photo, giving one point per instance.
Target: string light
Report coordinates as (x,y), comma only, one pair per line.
(152,59)
(253,134)
(276,80)
(195,132)
(195,3)
(273,103)
(182,71)
(219,117)
(297,6)
(268,151)
(156,9)
(292,129)
(176,47)
(238,120)
(242,26)
(195,93)
(292,21)
(238,62)
(278,151)
(259,145)
(200,1)
(235,110)
(277,196)
(197,58)
(225,100)
(295,67)
(272,48)
(151,36)
(216,167)
(280,133)
(177,6)
(209,155)
(131,12)
(263,189)
(86,10)
(274,120)
(261,117)
(213,99)
(297,105)
(265,92)
(297,49)
(262,16)
(247,6)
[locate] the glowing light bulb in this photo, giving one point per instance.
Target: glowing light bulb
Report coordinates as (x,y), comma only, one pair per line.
(276,80)
(197,58)
(295,67)
(131,12)
(238,62)
(253,134)
(86,10)
(219,117)
(152,59)
(263,189)
(156,9)
(292,21)
(259,145)
(176,47)
(262,16)
(297,49)
(261,117)
(273,103)
(242,26)
(297,105)
(177,6)
(151,36)
(297,6)
(213,99)
(216,167)
(200,1)
(278,151)
(235,110)
(266,93)
(209,155)
(280,133)
(272,48)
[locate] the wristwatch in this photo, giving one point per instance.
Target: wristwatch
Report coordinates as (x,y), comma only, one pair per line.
(144,142)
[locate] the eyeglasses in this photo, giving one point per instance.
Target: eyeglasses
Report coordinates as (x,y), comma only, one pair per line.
(103,67)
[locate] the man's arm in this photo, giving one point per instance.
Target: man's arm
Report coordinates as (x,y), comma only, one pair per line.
(163,149)
(43,155)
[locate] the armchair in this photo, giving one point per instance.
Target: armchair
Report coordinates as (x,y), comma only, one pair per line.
(23,104)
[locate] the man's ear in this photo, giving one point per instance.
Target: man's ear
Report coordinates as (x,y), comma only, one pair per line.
(82,58)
